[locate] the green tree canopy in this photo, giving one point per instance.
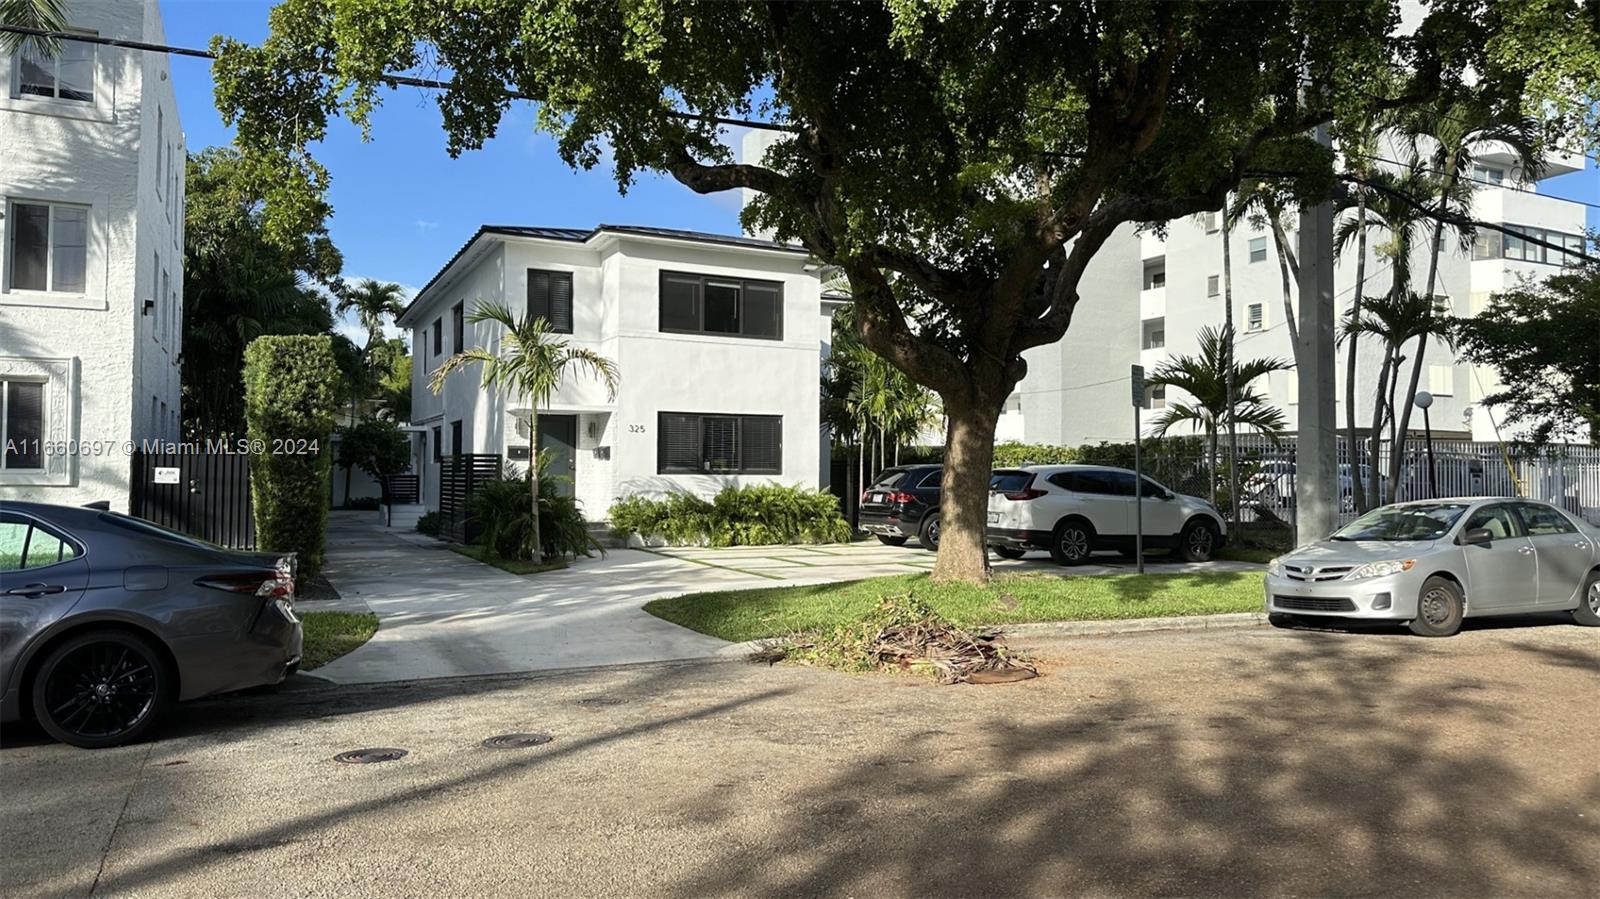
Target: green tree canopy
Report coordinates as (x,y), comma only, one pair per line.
(1544,340)
(960,163)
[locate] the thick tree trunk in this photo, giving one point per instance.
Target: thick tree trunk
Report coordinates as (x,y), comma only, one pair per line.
(1357,482)
(964,501)
(533,479)
(1231,339)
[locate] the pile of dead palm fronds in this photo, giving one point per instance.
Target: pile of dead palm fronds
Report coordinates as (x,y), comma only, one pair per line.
(905,634)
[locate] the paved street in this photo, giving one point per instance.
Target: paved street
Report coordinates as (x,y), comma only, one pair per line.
(1236,763)
(444,615)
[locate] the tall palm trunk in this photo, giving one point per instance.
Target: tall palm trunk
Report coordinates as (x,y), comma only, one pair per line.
(1228,355)
(1422,339)
(1357,480)
(1288,270)
(533,477)
(1375,436)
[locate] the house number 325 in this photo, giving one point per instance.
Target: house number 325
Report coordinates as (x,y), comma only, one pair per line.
(635,429)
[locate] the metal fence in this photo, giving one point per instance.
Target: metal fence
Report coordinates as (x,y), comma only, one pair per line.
(205,495)
(1565,475)
(459,477)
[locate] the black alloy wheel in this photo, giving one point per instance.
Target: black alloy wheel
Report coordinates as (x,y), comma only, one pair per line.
(102,688)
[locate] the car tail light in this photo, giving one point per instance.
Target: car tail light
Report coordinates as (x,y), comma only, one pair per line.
(278,584)
(901,497)
(1024,495)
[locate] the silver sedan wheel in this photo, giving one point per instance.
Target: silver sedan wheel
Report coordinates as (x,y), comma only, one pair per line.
(1436,607)
(1594,597)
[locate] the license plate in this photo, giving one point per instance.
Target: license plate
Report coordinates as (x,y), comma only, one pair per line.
(994,517)
(876,498)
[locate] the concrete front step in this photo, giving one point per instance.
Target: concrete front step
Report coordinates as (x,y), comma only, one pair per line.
(601,532)
(404,515)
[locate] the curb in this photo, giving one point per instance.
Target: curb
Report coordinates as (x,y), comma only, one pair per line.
(1227,621)
(1052,629)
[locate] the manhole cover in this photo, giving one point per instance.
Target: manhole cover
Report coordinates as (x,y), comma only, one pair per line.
(516,741)
(369,756)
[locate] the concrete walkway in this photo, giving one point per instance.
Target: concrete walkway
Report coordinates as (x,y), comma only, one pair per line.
(442,614)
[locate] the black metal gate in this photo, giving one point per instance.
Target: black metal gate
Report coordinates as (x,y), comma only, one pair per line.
(459,476)
(204,495)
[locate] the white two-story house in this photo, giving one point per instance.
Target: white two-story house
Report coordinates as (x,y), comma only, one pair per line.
(715,338)
(91,258)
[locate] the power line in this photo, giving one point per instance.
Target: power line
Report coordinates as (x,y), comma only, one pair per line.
(392,80)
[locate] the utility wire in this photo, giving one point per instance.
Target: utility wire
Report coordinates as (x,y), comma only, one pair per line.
(393,80)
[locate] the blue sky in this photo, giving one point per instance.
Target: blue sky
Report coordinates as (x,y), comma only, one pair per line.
(402,206)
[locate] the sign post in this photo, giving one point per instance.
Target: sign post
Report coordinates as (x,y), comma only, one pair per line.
(1139,401)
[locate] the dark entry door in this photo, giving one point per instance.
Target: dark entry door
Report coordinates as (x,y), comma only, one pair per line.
(558,439)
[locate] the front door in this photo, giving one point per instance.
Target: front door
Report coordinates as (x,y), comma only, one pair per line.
(1503,574)
(558,440)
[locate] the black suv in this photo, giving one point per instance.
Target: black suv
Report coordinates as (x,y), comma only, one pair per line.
(903,503)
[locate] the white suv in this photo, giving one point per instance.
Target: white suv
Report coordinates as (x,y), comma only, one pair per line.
(1073,510)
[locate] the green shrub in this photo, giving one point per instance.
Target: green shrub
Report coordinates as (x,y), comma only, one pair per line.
(750,515)
(377,447)
(500,508)
(291,387)
(431,524)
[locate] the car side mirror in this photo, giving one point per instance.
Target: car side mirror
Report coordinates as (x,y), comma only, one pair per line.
(1477,537)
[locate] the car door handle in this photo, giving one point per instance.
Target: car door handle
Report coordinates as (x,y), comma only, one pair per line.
(1525,550)
(31,590)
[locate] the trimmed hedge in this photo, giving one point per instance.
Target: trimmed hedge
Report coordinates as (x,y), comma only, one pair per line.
(291,387)
(752,515)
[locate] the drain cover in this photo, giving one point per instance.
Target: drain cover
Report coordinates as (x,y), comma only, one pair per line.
(516,741)
(369,756)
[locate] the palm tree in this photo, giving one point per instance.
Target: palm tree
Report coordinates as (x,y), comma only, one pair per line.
(44,15)
(1205,379)
(530,361)
(372,302)
(1395,206)
(1448,134)
(1395,320)
(1265,203)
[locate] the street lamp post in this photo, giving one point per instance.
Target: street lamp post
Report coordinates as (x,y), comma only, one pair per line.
(1422,401)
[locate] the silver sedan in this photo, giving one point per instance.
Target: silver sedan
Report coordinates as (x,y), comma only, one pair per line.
(1433,563)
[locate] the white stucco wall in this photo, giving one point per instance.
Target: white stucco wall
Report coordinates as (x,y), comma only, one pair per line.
(104,359)
(1106,332)
(616,313)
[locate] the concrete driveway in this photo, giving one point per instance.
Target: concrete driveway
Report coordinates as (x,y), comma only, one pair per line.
(1232,763)
(442,614)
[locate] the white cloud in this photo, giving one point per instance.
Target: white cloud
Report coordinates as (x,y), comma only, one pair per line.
(425,225)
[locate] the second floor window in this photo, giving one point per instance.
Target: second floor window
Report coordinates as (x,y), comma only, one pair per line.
(1253,317)
(438,336)
(69,75)
(458,327)
(704,304)
(550,298)
(49,247)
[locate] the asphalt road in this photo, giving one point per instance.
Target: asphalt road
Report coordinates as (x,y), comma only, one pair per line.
(1242,763)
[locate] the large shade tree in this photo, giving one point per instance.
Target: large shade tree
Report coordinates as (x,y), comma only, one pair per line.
(960,163)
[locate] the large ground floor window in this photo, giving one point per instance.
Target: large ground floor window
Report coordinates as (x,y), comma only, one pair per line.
(21,425)
(706,443)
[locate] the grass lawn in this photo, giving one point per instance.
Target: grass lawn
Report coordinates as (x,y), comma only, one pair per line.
(512,565)
(739,615)
(329,635)
(1258,554)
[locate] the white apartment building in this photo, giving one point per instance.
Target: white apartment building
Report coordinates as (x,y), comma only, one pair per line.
(716,340)
(1145,300)
(91,258)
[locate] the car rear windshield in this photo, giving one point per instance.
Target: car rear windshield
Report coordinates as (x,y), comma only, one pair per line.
(890,478)
(140,526)
(1426,521)
(1010,481)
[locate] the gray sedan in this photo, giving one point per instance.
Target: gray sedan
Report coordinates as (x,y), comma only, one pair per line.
(107,620)
(1433,563)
